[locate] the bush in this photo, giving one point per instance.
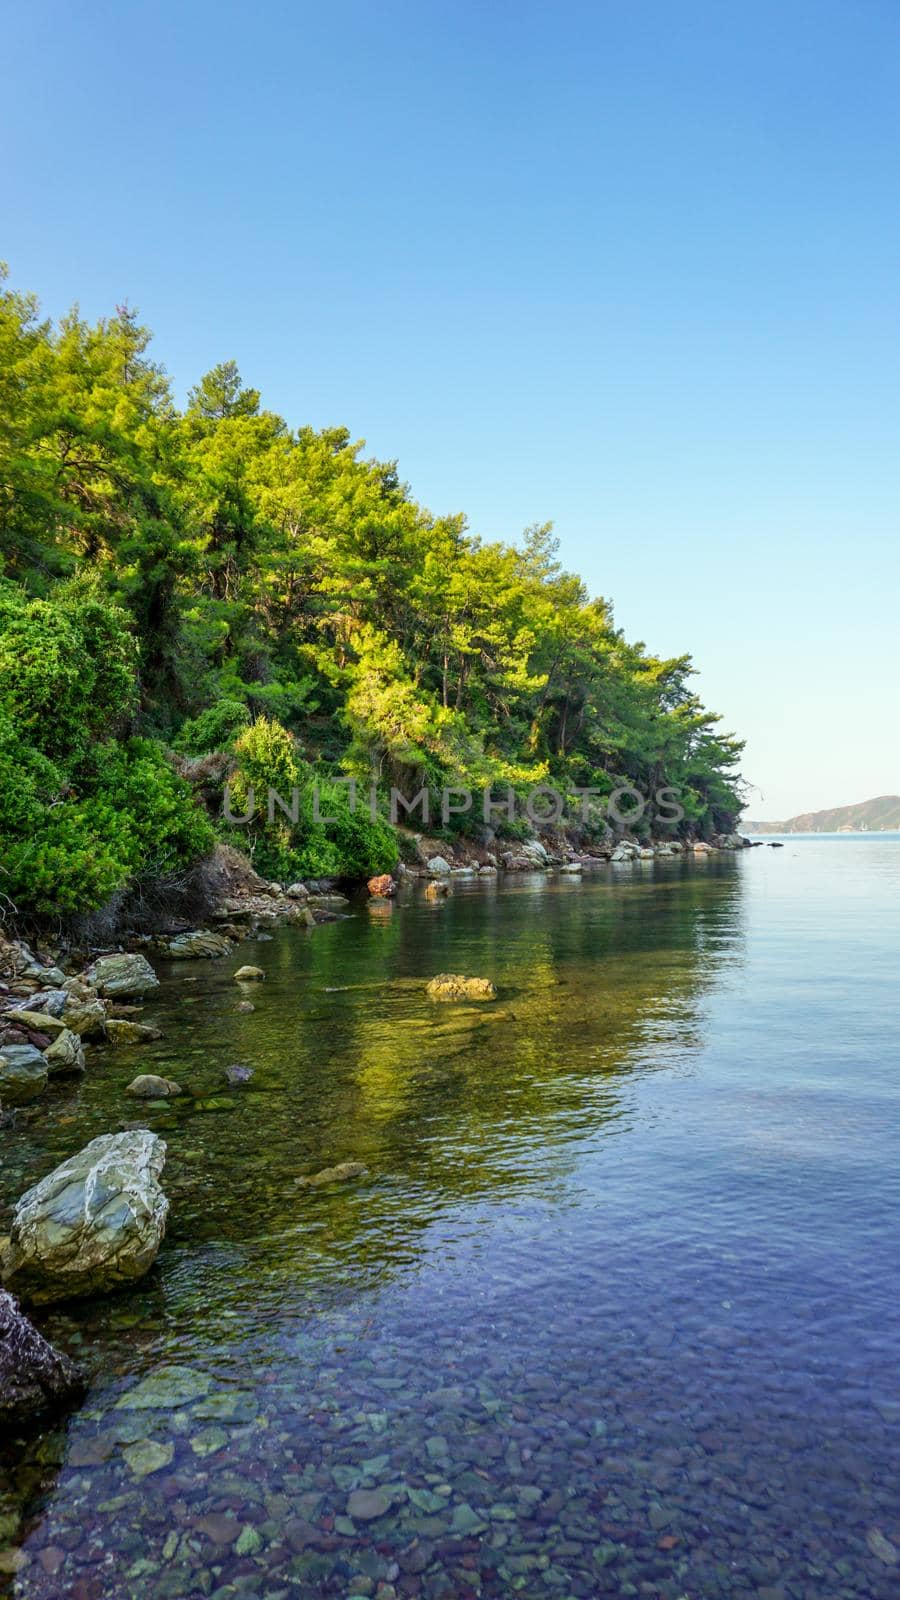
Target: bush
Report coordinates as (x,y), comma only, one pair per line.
(67,667)
(347,842)
(216,728)
(66,847)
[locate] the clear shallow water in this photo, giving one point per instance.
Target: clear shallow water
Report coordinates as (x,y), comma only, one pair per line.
(613,1312)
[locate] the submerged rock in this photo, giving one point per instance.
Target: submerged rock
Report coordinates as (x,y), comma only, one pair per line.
(118,976)
(365,1505)
(454,986)
(249,975)
(119,1030)
(23,1073)
(238,1074)
(245,1006)
(199,945)
(338,1174)
(34,1378)
(147,1086)
(94,1223)
(438,890)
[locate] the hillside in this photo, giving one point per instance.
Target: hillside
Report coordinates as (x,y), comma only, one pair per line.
(210,595)
(868,816)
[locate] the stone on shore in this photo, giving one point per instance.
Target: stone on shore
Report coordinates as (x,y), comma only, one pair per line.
(249,975)
(383,887)
(148,1086)
(87,1018)
(119,976)
(35,1379)
(34,1021)
(23,1073)
(439,867)
(455,986)
(95,1223)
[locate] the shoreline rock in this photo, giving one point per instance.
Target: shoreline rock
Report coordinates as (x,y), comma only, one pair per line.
(35,1379)
(95,1223)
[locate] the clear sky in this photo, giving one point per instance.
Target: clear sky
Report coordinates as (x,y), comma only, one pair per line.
(629,265)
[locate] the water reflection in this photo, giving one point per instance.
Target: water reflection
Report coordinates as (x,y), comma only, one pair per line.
(492,1283)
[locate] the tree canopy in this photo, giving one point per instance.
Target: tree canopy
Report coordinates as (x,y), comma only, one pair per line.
(169,562)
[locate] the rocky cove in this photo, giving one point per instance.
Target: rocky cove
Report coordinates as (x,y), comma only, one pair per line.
(437,1309)
(96,1222)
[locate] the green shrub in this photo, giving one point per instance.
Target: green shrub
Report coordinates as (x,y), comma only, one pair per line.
(171,828)
(216,728)
(67,667)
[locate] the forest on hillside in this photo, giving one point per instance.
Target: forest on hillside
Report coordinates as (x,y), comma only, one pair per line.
(210,593)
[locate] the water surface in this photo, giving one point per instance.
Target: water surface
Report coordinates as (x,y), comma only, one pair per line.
(614,1310)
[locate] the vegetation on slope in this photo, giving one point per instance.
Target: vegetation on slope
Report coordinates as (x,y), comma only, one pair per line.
(270,604)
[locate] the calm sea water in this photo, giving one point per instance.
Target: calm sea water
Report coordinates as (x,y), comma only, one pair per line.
(614,1310)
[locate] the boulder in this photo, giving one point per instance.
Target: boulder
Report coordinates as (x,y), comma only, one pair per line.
(120,976)
(329,901)
(382,887)
(571,866)
(37,1021)
(249,975)
(199,945)
(120,1030)
(49,1001)
(94,1223)
(237,1075)
(487,871)
(87,1018)
(297,891)
(35,1379)
(439,867)
(454,986)
(23,1074)
(245,1005)
(147,1086)
(65,1054)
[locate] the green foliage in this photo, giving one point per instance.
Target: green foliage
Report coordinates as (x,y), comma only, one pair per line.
(183,572)
(67,666)
(314,829)
(216,728)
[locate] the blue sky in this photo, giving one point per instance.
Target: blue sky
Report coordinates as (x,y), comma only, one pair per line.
(632,267)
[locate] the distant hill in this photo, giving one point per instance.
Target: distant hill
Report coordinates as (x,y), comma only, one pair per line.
(869,816)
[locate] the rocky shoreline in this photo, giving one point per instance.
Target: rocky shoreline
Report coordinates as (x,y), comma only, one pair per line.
(96,1222)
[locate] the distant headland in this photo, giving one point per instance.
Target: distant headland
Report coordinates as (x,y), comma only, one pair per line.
(869,816)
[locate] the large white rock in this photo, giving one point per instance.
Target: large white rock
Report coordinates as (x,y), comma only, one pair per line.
(92,1224)
(439,867)
(119,976)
